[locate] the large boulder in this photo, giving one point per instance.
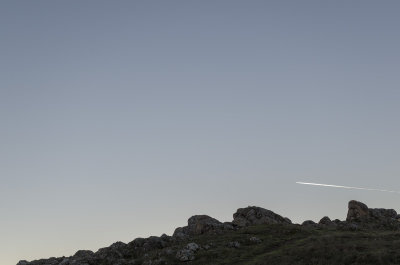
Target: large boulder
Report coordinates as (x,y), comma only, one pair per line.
(365,217)
(360,212)
(254,215)
(357,211)
(309,223)
(327,222)
(201,224)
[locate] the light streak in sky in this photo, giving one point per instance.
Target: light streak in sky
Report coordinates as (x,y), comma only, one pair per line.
(345,187)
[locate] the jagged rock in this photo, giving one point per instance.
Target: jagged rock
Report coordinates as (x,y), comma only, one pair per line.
(83,257)
(180,232)
(253,215)
(358,211)
(165,237)
(23,262)
(382,213)
(326,221)
(201,224)
(369,218)
(150,243)
(116,253)
(309,223)
(83,254)
(137,242)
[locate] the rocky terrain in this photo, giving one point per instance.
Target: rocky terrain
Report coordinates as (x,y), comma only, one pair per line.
(259,236)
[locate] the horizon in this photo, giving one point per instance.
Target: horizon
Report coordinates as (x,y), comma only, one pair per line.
(123,119)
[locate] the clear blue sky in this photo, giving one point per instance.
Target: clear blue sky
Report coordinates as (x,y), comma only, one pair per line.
(122,119)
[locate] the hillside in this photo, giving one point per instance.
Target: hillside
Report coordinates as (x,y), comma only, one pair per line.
(259,236)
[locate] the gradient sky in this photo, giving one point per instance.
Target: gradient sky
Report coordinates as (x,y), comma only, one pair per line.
(122,119)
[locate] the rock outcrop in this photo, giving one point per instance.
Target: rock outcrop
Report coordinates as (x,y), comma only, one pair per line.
(202,224)
(254,215)
(357,211)
(309,223)
(363,217)
(360,212)
(326,221)
(181,247)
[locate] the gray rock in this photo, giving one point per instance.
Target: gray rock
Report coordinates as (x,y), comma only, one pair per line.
(357,211)
(114,254)
(201,224)
(254,239)
(193,247)
(372,218)
(83,257)
(253,215)
(382,213)
(187,253)
(309,223)
(326,221)
(233,244)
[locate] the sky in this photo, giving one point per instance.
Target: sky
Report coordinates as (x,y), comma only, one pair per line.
(121,119)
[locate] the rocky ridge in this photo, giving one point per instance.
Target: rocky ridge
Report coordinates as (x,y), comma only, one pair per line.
(181,246)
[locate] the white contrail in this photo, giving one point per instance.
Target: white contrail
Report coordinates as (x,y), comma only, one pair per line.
(344,187)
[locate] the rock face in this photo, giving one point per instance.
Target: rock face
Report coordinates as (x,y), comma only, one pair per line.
(363,217)
(201,224)
(253,215)
(383,213)
(359,212)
